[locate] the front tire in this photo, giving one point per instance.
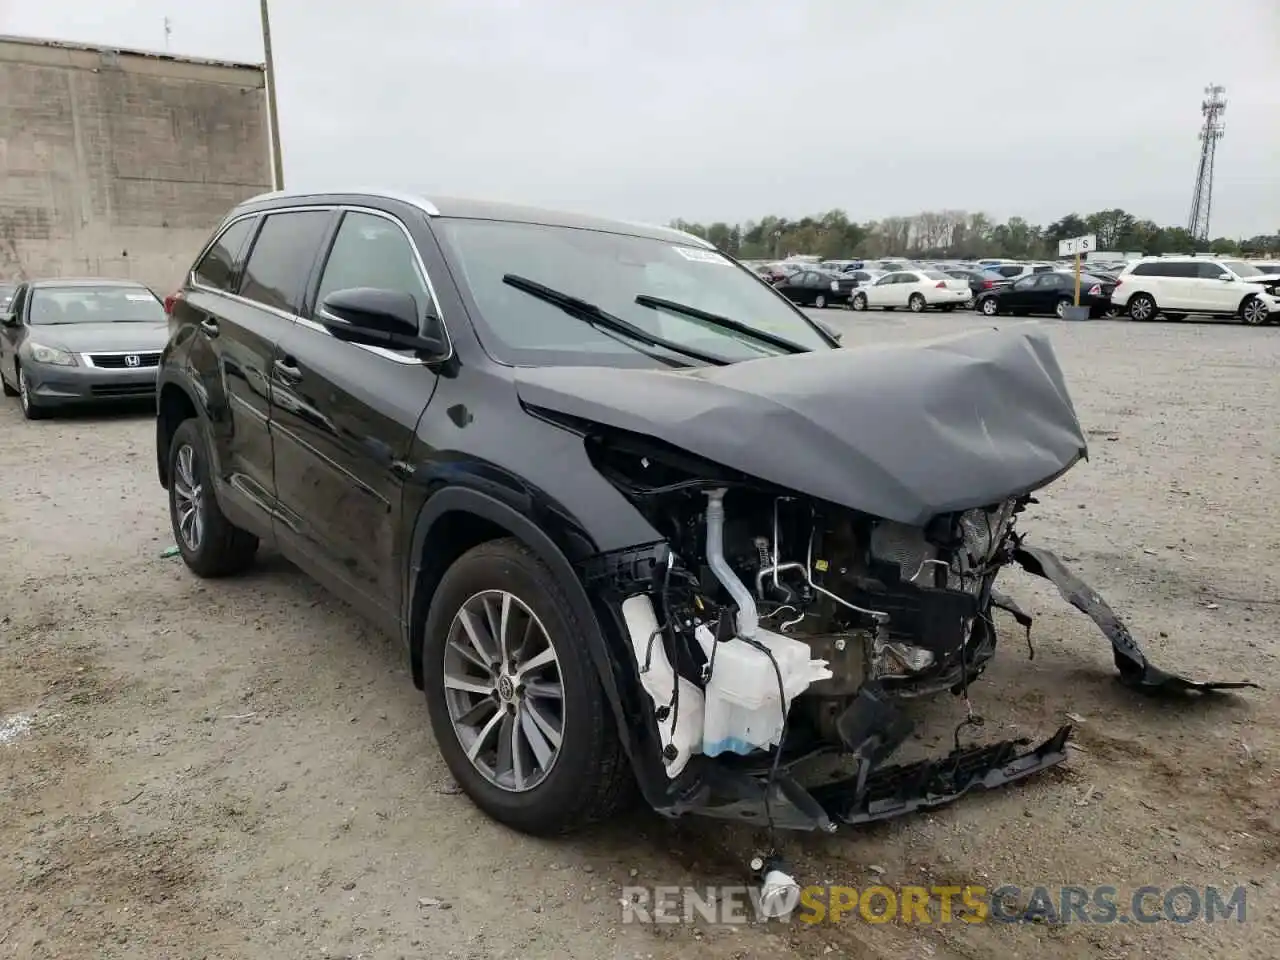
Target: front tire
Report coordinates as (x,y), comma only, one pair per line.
(31,409)
(8,390)
(859,301)
(1254,312)
(516,706)
(820,302)
(916,303)
(210,544)
(1142,307)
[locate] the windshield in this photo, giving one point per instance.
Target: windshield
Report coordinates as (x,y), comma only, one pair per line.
(86,304)
(610,271)
(1242,269)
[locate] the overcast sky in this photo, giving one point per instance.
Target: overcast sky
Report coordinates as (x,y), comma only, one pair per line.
(710,109)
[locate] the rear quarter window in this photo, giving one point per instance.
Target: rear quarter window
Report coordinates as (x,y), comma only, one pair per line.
(217,268)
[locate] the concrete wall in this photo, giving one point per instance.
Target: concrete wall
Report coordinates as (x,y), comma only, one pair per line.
(119,164)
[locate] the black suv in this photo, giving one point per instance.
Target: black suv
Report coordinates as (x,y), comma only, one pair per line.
(607,486)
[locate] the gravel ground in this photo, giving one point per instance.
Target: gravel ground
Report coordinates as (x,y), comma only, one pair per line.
(244,769)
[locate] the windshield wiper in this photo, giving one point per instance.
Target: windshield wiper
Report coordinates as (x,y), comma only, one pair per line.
(657,303)
(597,317)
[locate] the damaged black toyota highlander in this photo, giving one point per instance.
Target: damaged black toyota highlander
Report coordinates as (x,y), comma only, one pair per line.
(635,516)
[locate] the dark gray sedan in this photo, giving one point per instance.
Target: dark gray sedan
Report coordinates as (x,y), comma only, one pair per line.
(70,342)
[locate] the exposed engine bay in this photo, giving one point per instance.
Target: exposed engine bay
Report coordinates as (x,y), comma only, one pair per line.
(775,626)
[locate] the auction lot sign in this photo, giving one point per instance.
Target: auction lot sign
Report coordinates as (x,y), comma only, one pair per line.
(939,904)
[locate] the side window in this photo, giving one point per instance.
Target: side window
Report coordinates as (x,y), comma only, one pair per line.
(1025,283)
(1042,268)
(217,267)
(1008,270)
(282,257)
(1209,271)
(1047,281)
(372,251)
(1148,270)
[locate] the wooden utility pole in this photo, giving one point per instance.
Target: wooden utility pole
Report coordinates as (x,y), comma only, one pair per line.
(277,165)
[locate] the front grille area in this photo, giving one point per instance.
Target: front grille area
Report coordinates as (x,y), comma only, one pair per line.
(123,389)
(120,361)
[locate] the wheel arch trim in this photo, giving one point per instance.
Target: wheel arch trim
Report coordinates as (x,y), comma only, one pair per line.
(467,500)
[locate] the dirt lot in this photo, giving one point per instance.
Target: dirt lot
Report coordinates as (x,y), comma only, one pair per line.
(244,769)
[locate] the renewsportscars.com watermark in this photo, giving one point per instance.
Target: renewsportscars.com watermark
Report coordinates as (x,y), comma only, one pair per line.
(937,904)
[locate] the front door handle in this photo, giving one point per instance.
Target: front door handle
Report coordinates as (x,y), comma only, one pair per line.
(209,326)
(287,372)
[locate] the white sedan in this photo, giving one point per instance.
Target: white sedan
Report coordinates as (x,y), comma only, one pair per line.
(916,290)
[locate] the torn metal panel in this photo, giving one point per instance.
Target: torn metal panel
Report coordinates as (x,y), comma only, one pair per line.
(1135,670)
(899,431)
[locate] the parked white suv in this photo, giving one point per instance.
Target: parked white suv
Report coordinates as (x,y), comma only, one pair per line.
(1177,286)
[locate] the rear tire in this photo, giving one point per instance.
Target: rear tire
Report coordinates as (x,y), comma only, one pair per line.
(917,303)
(1060,307)
(588,776)
(989,306)
(820,302)
(1141,307)
(210,544)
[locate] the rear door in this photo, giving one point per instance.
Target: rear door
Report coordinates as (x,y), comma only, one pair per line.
(1047,290)
(344,416)
(229,352)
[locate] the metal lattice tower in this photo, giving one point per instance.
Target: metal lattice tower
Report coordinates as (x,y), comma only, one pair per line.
(1213,106)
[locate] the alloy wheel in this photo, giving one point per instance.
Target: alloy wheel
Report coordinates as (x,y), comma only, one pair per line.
(504,690)
(24,391)
(1255,312)
(1141,308)
(820,301)
(1061,308)
(188,499)
(989,307)
(917,304)
(860,302)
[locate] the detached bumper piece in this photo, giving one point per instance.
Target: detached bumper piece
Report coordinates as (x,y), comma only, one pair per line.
(1135,670)
(899,790)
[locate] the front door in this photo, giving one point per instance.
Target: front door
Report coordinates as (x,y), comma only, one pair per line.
(1020,295)
(344,418)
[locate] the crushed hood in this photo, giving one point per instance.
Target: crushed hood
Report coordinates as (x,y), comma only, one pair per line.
(899,431)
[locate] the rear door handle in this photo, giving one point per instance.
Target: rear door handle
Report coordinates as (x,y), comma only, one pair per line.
(209,326)
(287,371)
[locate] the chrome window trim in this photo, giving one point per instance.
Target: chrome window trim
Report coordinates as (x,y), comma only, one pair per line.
(306,321)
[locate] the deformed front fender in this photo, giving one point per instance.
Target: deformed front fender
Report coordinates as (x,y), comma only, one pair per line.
(612,661)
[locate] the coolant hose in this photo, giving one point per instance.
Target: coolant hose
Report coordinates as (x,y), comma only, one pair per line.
(748,618)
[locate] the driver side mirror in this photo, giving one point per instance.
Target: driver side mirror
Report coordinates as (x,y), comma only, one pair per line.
(8,319)
(1225,276)
(383,318)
